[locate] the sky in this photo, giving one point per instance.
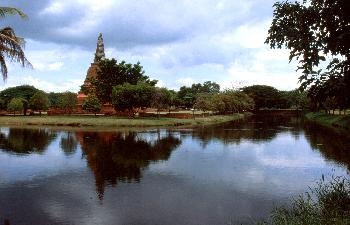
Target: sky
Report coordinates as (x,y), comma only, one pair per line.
(178,42)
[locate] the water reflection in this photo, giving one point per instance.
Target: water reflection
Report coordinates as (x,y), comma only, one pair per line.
(334,146)
(233,172)
(26,141)
(68,143)
(117,157)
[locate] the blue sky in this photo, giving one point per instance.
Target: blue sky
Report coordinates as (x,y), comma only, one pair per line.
(178,42)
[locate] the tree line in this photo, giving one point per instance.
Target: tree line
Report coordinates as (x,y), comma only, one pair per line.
(21,98)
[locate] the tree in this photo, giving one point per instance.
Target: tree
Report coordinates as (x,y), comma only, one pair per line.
(187,95)
(317,33)
(68,101)
(10,44)
(162,99)
(22,91)
(210,87)
(129,96)
(2,104)
(264,96)
(54,99)
(110,74)
(204,102)
(92,104)
(15,105)
(231,101)
(39,101)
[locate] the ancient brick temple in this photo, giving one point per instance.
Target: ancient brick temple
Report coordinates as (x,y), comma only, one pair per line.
(92,71)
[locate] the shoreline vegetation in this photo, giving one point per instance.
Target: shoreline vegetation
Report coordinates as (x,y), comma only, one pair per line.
(326,203)
(338,122)
(114,122)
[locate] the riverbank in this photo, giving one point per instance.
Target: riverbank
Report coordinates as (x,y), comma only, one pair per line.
(334,121)
(113,122)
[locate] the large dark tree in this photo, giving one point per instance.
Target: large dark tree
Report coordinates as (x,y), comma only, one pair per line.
(317,32)
(264,96)
(111,73)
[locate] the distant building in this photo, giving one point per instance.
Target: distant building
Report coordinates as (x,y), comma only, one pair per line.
(92,71)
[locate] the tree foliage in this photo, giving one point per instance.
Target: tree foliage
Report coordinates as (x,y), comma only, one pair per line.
(92,104)
(317,33)
(25,92)
(163,98)
(187,95)
(110,74)
(204,102)
(39,101)
(264,96)
(129,96)
(11,46)
(68,101)
(15,105)
(231,101)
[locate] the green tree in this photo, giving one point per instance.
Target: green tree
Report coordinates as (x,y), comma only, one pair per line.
(10,44)
(15,105)
(92,104)
(110,74)
(54,99)
(264,96)
(162,99)
(188,95)
(68,101)
(204,102)
(24,92)
(317,33)
(2,104)
(39,101)
(129,96)
(210,87)
(231,101)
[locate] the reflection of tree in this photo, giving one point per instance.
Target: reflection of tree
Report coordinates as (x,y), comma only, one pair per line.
(68,143)
(26,141)
(331,144)
(117,157)
(256,129)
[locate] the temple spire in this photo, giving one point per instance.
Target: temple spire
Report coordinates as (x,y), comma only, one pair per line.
(100,49)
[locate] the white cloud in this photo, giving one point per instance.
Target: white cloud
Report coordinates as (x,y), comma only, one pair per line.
(45,85)
(187,81)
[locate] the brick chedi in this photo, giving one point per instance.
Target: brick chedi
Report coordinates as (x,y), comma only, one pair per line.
(92,71)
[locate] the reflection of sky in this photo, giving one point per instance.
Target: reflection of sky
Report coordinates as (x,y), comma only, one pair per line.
(282,166)
(29,166)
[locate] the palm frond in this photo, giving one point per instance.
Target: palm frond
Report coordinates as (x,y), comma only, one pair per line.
(11,47)
(9,11)
(3,67)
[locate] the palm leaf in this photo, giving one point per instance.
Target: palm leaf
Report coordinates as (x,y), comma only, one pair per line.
(6,11)
(11,47)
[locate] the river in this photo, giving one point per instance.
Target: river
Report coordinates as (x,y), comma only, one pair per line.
(225,174)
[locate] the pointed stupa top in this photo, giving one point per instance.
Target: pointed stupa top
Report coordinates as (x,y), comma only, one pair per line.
(100,49)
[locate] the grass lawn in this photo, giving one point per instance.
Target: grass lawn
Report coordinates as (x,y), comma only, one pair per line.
(111,121)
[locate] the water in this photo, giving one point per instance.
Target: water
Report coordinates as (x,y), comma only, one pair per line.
(225,174)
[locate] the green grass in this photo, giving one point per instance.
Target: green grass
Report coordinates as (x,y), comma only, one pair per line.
(111,122)
(337,121)
(326,204)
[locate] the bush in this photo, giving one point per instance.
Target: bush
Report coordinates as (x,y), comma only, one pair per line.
(326,204)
